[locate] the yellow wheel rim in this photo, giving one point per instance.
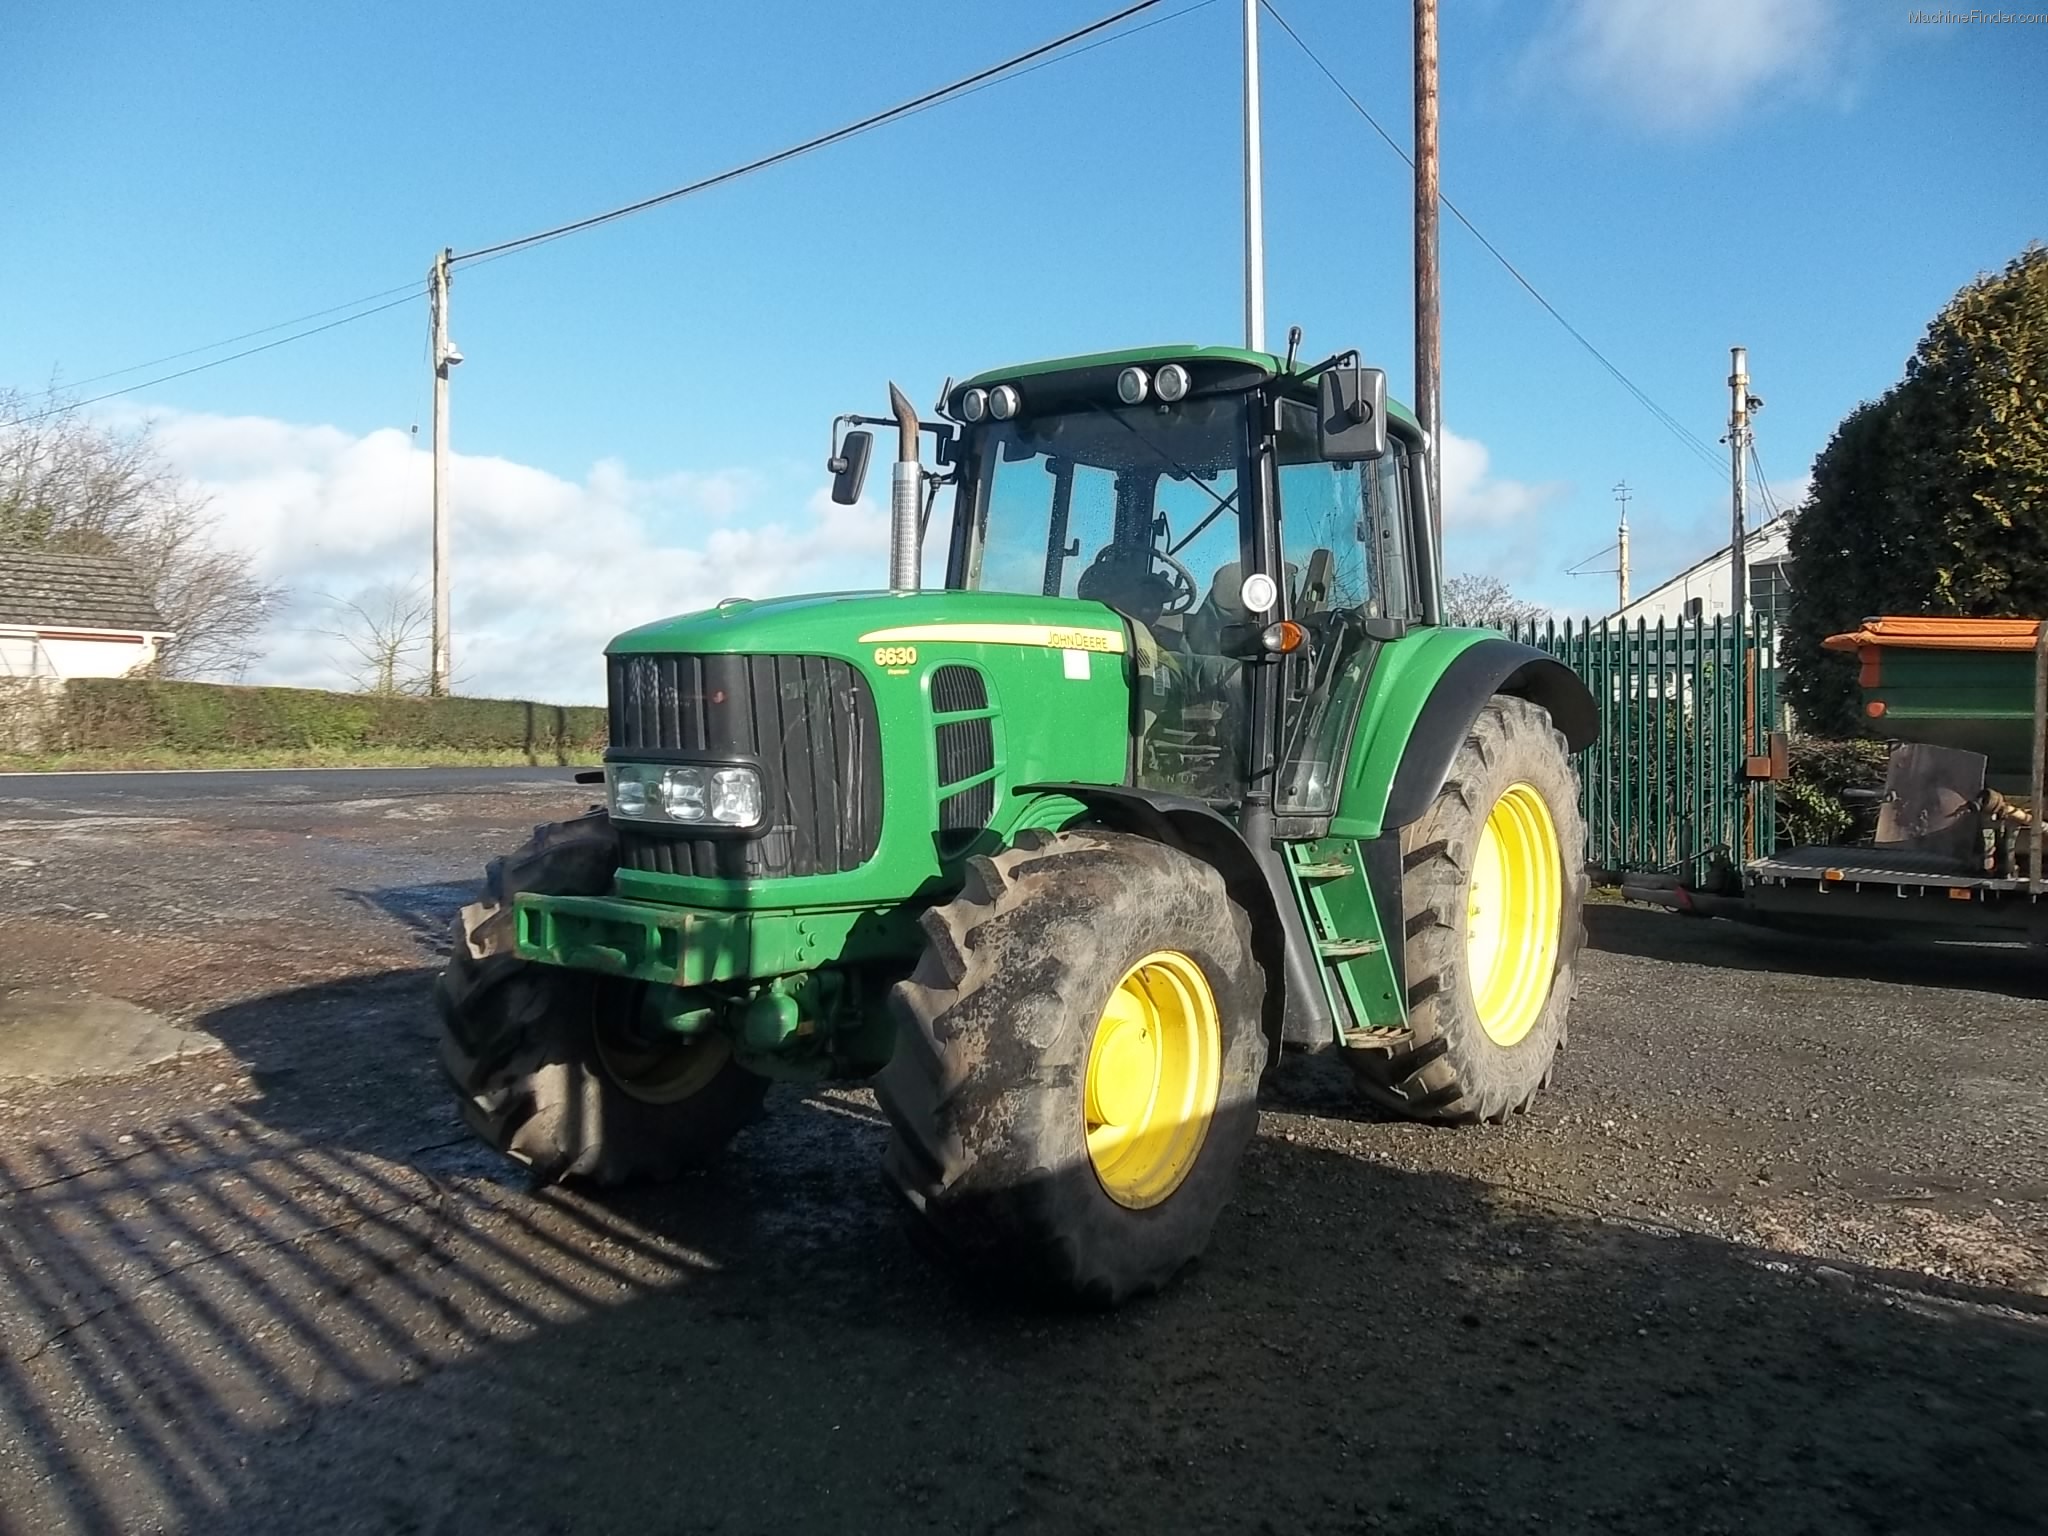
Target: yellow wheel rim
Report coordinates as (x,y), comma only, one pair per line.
(666,1074)
(1514,912)
(1154,1068)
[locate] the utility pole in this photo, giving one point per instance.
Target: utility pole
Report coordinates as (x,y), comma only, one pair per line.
(1429,397)
(1254,191)
(445,357)
(1621,494)
(1738,448)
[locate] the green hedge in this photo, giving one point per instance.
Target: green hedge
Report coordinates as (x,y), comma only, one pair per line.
(1810,805)
(118,713)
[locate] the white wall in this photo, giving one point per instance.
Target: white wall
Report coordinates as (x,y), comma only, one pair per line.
(44,654)
(1708,581)
(22,656)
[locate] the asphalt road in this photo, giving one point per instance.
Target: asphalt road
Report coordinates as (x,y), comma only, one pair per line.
(1773,1256)
(72,789)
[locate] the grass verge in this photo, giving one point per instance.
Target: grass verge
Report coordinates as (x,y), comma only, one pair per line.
(116,760)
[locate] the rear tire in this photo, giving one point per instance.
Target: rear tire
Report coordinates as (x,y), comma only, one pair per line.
(1488,1014)
(1077,1065)
(526,1045)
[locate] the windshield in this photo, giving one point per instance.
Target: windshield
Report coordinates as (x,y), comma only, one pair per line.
(1135,506)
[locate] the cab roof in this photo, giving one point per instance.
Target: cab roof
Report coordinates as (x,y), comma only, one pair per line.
(1266,364)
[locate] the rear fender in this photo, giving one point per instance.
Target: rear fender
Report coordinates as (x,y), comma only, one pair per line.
(1408,742)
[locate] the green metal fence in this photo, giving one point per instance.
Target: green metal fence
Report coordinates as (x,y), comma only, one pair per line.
(1685,709)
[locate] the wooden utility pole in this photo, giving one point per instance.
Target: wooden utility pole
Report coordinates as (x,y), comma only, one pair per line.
(1429,398)
(445,357)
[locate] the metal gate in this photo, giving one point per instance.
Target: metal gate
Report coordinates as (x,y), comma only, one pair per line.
(1681,770)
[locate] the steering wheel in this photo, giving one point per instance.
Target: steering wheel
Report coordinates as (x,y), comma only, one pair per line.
(1184,591)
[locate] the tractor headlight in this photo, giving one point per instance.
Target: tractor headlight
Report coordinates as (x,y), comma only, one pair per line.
(736,797)
(629,792)
(682,794)
(1171,382)
(973,405)
(1004,402)
(1132,386)
(689,795)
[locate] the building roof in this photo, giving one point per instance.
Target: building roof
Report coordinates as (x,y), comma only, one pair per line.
(1771,532)
(44,590)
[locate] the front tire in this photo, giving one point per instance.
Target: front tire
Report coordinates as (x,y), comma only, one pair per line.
(1077,1065)
(1493,891)
(542,1063)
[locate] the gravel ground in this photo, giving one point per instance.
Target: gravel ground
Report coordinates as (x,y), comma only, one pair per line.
(1773,1257)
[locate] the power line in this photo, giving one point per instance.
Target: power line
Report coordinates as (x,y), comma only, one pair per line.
(261,330)
(1686,437)
(874,120)
(1010,69)
(165,378)
(1763,483)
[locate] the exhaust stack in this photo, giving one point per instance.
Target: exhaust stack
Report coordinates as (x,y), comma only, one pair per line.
(905,488)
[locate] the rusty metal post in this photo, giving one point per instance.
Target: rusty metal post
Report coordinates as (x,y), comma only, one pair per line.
(2040,768)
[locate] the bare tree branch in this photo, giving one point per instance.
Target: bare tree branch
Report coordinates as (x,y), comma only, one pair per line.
(384,634)
(71,485)
(1487,602)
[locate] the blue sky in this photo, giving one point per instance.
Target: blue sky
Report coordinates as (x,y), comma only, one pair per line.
(1811,178)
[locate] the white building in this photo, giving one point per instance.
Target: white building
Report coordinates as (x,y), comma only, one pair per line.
(66,616)
(1702,590)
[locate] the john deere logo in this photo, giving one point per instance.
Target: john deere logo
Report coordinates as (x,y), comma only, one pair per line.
(1080,640)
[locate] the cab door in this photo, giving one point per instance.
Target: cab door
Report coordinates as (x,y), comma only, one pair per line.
(1351,584)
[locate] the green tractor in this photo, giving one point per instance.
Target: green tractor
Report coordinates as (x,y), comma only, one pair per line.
(1181,768)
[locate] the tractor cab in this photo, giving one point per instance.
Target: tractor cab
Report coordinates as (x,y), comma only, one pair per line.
(1235,510)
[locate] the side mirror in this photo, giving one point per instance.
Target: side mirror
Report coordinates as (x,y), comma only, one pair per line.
(849,466)
(1352,420)
(1315,581)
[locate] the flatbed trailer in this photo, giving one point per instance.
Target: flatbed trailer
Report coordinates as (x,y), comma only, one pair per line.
(1953,858)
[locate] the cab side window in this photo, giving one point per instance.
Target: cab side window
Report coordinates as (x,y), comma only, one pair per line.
(1386,523)
(1326,529)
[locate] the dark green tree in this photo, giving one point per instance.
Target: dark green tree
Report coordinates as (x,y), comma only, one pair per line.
(1932,498)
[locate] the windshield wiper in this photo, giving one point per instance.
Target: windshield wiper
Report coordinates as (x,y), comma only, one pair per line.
(1223,505)
(1181,471)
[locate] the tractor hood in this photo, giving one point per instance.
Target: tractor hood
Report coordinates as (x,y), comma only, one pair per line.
(843,623)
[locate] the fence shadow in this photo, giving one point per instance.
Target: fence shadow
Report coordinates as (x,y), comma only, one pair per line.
(2008,970)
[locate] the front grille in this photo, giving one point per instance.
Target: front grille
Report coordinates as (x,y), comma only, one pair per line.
(809,721)
(956,689)
(965,748)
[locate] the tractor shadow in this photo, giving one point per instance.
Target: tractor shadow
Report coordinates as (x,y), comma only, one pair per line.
(325,1310)
(1651,934)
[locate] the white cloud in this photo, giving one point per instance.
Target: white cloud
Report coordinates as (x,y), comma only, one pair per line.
(1686,64)
(1475,498)
(1787,495)
(545,570)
